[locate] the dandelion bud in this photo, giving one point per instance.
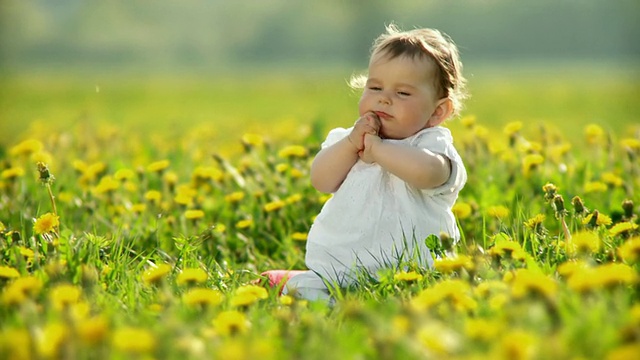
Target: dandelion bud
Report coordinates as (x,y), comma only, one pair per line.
(550,191)
(45,176)
(627,206)
(578,205)
(594,218)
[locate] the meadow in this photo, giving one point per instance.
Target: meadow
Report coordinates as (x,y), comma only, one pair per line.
(136,215)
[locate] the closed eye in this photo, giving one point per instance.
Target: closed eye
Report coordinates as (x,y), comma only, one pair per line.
(403,93)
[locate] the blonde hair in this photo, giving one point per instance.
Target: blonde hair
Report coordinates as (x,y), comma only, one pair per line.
(429,44)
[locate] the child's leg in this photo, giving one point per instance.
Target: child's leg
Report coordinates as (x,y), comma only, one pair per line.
(307,285)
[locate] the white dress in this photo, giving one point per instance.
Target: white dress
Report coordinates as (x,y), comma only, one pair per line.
(376,220)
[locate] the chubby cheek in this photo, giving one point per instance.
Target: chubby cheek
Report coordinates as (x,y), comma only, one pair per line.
(363,105)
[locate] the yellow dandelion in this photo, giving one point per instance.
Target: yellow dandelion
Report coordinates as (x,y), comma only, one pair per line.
(532,282)
(8,272)
(461,210)
(622,227)
(292,151)
(600,219)
(282,167)
(455,290)
(231,323)
(507,249)
(202,297)
(603,276)
(453,264)
(296,173)
(518,344)
(487,287)
(124,174)
(535,221)
(133,340)
(294,198)
(52,339)
(299,236)
(16,343)
(611,179)
(170,177)
(234,197)
(286,300)
(595,186)
(468,121)
(153,196)
(138,208)
(625,352)
(244,224)
(248,294)
(26,147)
(567,269)
(156,274)
(594,134)
(629,251)
(158,166)
(94,330)
(192,276)
(274,205)
(253,140)
(512,128)
(194,214)
(481,132)
(499,211)
(12,173)
(202,173)
(46,223)
(630,144)
(530,162)
(107,184)
(220,228)
(64,295)
(584,242)
(483,329)
(21,289)
(407,276)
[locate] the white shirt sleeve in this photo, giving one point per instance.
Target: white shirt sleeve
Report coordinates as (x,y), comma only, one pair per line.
(335,135)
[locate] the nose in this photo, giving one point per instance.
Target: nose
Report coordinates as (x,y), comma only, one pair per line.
(384,99)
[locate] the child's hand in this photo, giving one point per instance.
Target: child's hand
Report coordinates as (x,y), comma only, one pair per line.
(369,142)
(369,123)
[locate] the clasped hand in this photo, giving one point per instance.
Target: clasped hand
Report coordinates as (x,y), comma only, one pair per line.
(364,136)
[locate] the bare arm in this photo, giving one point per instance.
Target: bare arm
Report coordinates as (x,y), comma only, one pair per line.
(332,164)
(418,167)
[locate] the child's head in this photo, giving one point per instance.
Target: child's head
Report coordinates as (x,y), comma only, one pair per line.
(415,80)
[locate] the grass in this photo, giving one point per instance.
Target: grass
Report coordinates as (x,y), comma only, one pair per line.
(171,196)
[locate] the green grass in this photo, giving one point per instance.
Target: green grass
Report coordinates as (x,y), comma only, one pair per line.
(128,262)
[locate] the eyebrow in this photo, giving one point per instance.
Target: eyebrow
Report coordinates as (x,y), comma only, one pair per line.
(405,85)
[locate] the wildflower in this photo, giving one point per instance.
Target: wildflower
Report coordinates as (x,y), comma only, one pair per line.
(107,184)
(449,265)
(52,338)
(507,249)
(138,208)
(170,178)
(274,205)
(153,196)
(44,175)
(439,341)
(461,210)
(584,242)
(286,300)
(530,162)
(570,267)
(248,294)
(594,134)
(21,289)
(234,197)
(12,173)
(133,340)
(252,140)
(630,144)
(627,207)
(596,219)
(499,211)
(535,222)
(8,272)
(603,276)
(485,288)
(192,276)
(26,147)
(46,223)
(202,297)
(282,167)
(231,323)
(454,290)
(625,352)
(92,330)
(243,224)
(622,227)
(220,228)
(158,166)
(483,329)
(194,214)
(295,173)
(530,282)
(512,128)
(629,251)
(202,173)
(294,198)
(156,274)
(64,295)
(518,345)
(407,276)
(595,186)
(481,132)
(299,236)
(550,191)
(611,179)
(468,121)
(16,343)
(124,174)
(293,151)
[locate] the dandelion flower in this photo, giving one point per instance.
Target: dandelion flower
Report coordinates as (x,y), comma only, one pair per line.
(192,276)
(483,329)
(248,294)
(534,222)
(531,282)
(243,224)
(26,147)
(253,140)
(107,184)
(584,241)
(194,214)
(133,340)
(461,210)
(21,289)
(603,276)
(64,295)
(512,128)
(468,121)
(629,251)
(594,134)
(622,227)
(595,186)
(202,297)
(158,166)
(292,151)
(299,236)
(12,173)
(407,276)
(93,330)
(8,272)
(231,323)
(274,205)
(449,265)
(499,211)
(282,167)
(234,197)
(597,219)
(530,162)
(156,274)
(46,223)
(630,144)
(124,174)
(52,338)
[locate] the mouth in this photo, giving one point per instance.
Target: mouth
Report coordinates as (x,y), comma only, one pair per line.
(383,115)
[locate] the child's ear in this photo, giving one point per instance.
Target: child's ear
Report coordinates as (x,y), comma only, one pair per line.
(442,112)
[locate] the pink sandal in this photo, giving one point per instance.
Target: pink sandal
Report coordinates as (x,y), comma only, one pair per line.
(279,278)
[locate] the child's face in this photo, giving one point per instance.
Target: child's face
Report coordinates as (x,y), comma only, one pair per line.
(401,91)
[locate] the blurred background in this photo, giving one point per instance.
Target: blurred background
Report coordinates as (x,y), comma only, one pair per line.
(115,58)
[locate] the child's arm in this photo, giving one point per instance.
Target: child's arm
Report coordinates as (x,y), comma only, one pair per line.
(420,168)
(332,164)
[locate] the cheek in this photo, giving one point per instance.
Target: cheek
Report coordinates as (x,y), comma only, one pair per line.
(363,105)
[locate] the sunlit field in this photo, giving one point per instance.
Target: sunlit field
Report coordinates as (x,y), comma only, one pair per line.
(136,216)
